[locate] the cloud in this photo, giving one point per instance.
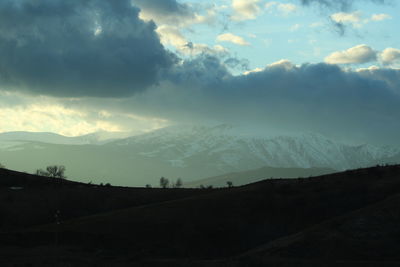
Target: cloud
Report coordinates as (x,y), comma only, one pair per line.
(172,17)
(311,97)
(390,76)
(49,114)
(295,27)
(171,35)
(356,55)
(171,12)
(343,5)
(245,9)
(356,18)
(363,54)
(390,56)
(44,116)
(78,48)
(343,17)
(229,37)
(283,8)
(380,17)
(360,106)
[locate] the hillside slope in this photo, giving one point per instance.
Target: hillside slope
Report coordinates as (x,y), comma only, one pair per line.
(27,200)
(369,234)
(227,222)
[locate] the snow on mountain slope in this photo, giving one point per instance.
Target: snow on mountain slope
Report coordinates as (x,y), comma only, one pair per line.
(229,148)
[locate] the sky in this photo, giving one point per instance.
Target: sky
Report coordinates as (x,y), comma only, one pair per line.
(76,67)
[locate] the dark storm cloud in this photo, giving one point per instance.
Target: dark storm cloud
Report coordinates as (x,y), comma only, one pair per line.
(390,76)
(78,48)
(350,105)
(353,105)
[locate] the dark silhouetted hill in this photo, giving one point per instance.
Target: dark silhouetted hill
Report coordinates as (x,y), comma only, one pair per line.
(343,219)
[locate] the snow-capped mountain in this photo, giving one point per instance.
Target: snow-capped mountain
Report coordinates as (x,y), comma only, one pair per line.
(188,152)
(227,147)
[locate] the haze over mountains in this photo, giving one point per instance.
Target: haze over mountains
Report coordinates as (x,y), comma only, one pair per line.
(53,138)
(188,152)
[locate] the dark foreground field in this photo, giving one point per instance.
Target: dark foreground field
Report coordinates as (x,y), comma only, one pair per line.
(344,219)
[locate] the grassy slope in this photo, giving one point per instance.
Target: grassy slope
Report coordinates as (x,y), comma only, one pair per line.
(229,222)
(370,233)
(40,197)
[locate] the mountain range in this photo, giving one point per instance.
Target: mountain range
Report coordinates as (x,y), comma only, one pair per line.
(188,152)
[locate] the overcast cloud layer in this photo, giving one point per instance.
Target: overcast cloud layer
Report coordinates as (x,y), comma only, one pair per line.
(362,104)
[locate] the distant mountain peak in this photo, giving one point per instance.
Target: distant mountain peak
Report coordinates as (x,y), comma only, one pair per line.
(235,148)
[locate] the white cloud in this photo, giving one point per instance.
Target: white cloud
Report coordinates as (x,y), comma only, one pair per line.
(316,24)
(283,8)
(390,56)
(280,64)
(171,35)
(62,116)
(253,71)
(171,12)
(283,63)
(229,37)
(197,49)
(171,17)
(245,9)
(380,17)
(364,54)
(295,27)
(51,117)
(355,55)
(354,18)
(370,68)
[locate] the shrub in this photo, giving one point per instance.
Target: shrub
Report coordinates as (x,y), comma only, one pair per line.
(164,182)
(178,183)
(55,171)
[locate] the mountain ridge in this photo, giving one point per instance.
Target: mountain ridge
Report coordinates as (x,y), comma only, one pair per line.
(191,153)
